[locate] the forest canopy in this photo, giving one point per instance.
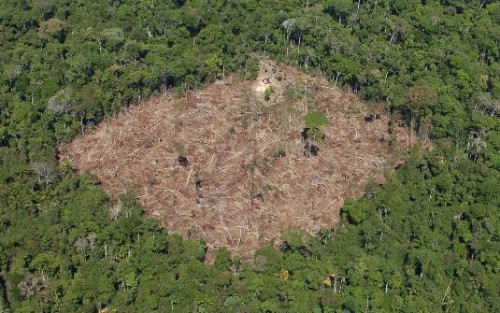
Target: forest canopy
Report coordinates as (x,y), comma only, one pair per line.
(427,241)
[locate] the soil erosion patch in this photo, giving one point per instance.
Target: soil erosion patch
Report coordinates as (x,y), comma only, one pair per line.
(230,163)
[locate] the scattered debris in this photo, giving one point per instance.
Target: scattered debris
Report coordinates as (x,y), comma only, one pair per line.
(183,161)
(247,178)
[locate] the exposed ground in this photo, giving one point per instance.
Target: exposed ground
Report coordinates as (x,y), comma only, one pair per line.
(247,177)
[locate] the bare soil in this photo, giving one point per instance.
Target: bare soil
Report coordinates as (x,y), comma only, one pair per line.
(247,178)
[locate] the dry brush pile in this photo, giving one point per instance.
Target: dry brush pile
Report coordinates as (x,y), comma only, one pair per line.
(225,164)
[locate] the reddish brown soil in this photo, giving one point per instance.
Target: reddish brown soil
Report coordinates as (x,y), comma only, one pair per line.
(246,154)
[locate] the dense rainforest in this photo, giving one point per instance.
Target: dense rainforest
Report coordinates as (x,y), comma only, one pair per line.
(426,241)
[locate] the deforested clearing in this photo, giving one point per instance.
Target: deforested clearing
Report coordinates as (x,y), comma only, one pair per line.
(230,163)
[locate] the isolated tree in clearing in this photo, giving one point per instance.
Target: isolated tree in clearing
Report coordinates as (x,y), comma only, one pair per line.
(312,133)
